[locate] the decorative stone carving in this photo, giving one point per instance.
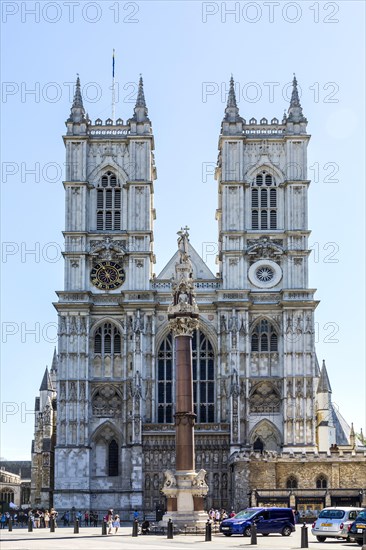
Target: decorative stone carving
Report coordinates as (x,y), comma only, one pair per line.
(265,399)
(108,249)
(263,248)
(106,401)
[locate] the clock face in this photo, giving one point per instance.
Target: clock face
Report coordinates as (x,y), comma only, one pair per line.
(107,275)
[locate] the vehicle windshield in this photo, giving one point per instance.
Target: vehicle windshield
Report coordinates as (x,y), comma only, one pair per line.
(332,514)
(245,514)
(361,516)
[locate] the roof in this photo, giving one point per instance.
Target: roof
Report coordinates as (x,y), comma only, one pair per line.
(324,384)
(200,269)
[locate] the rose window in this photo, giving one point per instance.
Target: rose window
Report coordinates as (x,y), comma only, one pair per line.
(265,274)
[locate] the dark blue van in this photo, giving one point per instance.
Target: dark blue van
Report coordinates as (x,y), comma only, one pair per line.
(267,520)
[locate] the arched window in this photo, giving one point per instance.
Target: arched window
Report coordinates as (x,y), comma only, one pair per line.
(264,337)
(203,359)
(291,482)
(7,495)
(108,203)
(165,381)
(264,202)
(203,378)
(107,340)
(113,458)
(321,482)
(107,351)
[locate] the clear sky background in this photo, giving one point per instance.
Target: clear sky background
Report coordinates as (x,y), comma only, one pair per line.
(186,52)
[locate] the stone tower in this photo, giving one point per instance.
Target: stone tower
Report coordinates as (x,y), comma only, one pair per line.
(42,472)
(265,307)
(105,315)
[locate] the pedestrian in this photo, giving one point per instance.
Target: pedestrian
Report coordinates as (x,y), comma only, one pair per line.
(232,514)
(37,517)
(116,523)
(46,518)
(86,518)
(3,521)
(109,520)
(95,519)
(217,517)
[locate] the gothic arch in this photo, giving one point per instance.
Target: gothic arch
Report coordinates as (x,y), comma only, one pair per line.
(107,430)
(105,445)
(266,432)
(264,335)
(268,167)
(99,171)
(260,318)
(101,322)
(203,326)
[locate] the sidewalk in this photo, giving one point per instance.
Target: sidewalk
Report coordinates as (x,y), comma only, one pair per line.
(90,538)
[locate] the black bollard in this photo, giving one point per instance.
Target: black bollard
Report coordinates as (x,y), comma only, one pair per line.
(135,528)
(304,536)
(76,526)
(253,534)
(104,527)
(169,534)
(208,534)
(52,525)
(30,526)
(10,525)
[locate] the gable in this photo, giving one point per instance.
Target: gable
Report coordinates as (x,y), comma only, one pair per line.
(200,269)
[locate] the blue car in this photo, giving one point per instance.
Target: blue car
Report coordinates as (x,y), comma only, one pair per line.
(267,520)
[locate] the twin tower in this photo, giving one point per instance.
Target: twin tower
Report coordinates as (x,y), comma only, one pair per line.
(255,372)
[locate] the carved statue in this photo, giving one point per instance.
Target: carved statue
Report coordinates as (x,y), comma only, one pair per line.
(170,480)
(183,245)
(199,480)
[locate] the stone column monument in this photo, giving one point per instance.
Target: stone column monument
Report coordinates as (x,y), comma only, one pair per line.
(185,488)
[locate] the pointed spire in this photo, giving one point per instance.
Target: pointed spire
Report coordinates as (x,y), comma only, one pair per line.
(140,110)
(77,113)
(46,382)
(232,122)
(324,384)
(140,102)
(352,437)
(78,100)
(295,113)
(54,361)
(231,100)
(232,111)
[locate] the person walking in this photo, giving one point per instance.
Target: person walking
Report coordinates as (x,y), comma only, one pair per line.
(116,523)
(109,520)
(46,518)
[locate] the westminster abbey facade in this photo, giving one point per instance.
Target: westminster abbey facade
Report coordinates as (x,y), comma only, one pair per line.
(266,429)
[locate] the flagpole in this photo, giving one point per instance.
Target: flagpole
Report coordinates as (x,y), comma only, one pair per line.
(113,93)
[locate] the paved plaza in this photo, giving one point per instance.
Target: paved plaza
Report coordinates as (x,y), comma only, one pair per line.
(90,538)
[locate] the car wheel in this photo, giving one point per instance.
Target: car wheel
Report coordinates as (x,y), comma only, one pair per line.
(265,534)
(227,534)
(286,531)
(321,539)
(247,532)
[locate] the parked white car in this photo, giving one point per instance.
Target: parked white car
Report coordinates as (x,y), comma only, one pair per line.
(333,522)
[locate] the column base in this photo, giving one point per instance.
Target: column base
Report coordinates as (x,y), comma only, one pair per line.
(186,520)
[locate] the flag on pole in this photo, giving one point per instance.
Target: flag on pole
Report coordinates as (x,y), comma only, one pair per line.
(113,65)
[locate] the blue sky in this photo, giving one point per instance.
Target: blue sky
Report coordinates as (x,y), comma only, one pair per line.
(186,52)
